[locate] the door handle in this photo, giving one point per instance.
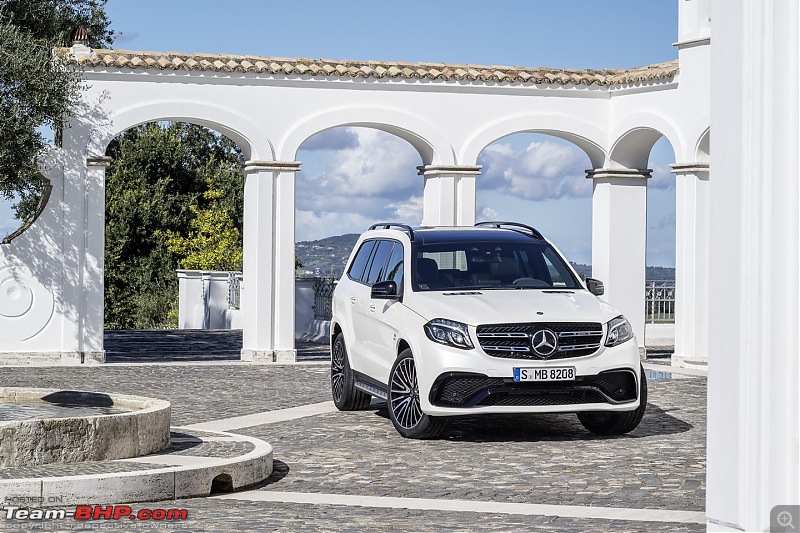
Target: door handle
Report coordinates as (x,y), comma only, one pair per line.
(352,299)
(372,308)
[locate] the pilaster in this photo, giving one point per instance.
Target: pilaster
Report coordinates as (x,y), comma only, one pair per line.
(449,194)
(267,299)
(619,240)
(90,336)
(691,264)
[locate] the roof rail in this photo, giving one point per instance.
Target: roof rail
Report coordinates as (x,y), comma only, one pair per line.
(390,225)
(497,224)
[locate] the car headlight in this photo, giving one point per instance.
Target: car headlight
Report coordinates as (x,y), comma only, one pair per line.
(619,331)
(449,332)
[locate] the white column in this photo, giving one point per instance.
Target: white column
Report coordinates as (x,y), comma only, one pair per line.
(619,240)
(449,195)
(691,264)
(754,319)
(90,335)
(268,270)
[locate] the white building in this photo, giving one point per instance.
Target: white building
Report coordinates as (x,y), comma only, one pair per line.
(271,106)
(738,236)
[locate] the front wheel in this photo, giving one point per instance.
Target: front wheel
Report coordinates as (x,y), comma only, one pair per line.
(617,423)
(405,410)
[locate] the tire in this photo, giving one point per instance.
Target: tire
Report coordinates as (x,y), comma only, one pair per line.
(403,402)
(616,423)
(346,396)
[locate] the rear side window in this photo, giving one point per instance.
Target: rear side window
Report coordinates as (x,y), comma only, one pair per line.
(394,268)
(356,271)
(379,259)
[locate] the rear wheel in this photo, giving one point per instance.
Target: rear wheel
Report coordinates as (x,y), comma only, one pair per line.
(617,423)
(405,410)
(345,395)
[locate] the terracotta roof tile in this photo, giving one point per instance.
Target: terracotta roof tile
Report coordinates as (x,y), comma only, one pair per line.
(125,59)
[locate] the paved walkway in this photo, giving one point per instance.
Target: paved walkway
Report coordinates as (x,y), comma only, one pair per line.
(352,472)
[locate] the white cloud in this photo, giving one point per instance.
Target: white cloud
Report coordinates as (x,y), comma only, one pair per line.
(332,139)
(409,211)
(662,177)
(543,170)
(346,190)
(484,213)
(311,226)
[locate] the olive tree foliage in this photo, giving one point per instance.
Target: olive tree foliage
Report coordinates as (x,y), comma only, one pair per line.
(37,91)
(167,184)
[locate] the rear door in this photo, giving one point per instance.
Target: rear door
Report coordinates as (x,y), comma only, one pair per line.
(347,296)
(385,316)
(364,310)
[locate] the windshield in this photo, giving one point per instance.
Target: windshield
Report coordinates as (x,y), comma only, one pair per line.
(490,265)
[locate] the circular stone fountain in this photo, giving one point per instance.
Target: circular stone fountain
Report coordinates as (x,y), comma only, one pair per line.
(42,426)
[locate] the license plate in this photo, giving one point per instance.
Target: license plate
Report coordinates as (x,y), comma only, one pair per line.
(564,373)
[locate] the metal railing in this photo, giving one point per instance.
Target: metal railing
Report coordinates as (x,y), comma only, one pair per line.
(234,290)
(659,302)
(323,298)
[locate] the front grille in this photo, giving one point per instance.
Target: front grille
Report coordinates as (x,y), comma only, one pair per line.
(545,398)
(469,390)
(513,341)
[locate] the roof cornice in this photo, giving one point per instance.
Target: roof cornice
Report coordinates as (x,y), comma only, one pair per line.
(328,68)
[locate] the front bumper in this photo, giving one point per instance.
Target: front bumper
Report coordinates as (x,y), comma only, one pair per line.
(460,382)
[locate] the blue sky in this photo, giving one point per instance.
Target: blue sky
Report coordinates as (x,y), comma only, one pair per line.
(544,183)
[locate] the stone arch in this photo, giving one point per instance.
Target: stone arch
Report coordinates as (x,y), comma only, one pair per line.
(579,132)
(244,133)
(635,135)
(703,147)
(431,144)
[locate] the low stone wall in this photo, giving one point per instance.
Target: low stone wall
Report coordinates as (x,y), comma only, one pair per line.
(660,335)
(141,430)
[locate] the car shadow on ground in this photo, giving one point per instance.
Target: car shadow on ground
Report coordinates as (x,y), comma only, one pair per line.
(545,427)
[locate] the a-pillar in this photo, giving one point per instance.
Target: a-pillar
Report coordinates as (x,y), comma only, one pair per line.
(619,240)
(449,195)
(691,264)
(267,298)
(90,321)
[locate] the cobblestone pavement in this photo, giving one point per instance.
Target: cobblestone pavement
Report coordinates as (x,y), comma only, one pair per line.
(510,458)
(198,393)
(187,345)
(528,459)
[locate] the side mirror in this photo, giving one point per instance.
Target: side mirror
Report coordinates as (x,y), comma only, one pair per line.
(384,290)
(595,286)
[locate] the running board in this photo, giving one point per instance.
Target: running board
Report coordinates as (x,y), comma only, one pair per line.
(370,386)
(375,391)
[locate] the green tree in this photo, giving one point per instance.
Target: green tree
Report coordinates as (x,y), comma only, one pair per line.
(213,242)
(36,90)
(154,185)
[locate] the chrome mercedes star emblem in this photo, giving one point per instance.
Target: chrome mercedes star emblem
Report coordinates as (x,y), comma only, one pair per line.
(544,342)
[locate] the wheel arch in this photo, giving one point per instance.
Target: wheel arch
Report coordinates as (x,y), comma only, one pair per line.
(403,344)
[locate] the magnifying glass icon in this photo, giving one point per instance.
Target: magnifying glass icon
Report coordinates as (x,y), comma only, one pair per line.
(785,520)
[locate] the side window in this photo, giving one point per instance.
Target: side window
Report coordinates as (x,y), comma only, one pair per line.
(378,262)
(394,269)
(356,271)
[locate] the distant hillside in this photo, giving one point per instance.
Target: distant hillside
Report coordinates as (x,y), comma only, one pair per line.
(324,256)
(330,254)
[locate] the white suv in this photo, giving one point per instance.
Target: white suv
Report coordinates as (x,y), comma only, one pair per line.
(444,321)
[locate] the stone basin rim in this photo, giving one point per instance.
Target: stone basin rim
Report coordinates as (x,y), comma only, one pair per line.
(142,429)
(135,405)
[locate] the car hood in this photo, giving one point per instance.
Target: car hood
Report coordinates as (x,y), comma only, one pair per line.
(506,306)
